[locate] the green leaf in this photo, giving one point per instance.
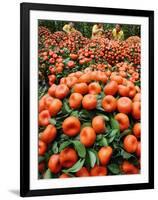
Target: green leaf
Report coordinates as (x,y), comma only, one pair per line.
(80,148)
(55,148)
(64,145)
(84,114)
(76,167)
(99,137)
(112,135)
(47,174)
(75,113)
(96,154)
(86,124)
(66,109)
(92,157)
(125,132)
(114,168)
(65,61)
(40,159)
(126,155)
(114,124)
(103,142)
(52,121)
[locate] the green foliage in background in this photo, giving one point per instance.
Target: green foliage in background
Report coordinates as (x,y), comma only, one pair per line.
(86,27)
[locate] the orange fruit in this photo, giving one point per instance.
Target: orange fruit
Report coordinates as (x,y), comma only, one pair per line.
(85,78)
(42,147)
(43,118)
(51,90)
(83,172)
(129,168)
(94,88)
(136,110)
(124,105)
(54,164)
(71,81)
(68,157)
(98,171)
(105,154)
(98,124)
(117,78)
(123,90)
(130,143)
(87,136)
(137,130)
(41,167)
(49,134)
(109,103)
(137,97)
(138,150)
(111,88)
(123,121)
(75,100)
(81,88)
(61,91)
(55,107)
(71,126)
(89,101)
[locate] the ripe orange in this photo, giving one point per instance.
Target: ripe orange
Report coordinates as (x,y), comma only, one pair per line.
(124,105)
(81,88)
(49,134)
(111,88)
(71,81)
(71,126)
(98,171)
(75,100)
(98,124)
(48,101)
(71,64)
(42,147)
(123,90)
(117,78)
(68,157)
(129,168)
(89,101)
(137,130)
(61,91)
(138,150)
(109,103)
(83,172)
(102,77)
(130,143)
(55,107)
(41,105)
(123,121)
(87,136)
(137,97)
(41,167)
(54,164)
(94,88)
(43,118)
(105,154)
(136,110)
(85,78)
(51,90)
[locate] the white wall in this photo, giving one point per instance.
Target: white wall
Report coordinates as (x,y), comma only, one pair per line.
(9,99)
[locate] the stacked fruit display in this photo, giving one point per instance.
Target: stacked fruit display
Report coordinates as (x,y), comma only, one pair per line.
(89,106)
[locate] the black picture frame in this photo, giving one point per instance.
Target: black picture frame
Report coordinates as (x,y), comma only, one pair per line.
(25,9)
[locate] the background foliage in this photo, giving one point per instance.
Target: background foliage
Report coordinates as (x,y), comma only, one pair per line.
(86,27)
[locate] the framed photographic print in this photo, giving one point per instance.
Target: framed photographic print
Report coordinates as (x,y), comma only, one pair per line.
(87,99)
